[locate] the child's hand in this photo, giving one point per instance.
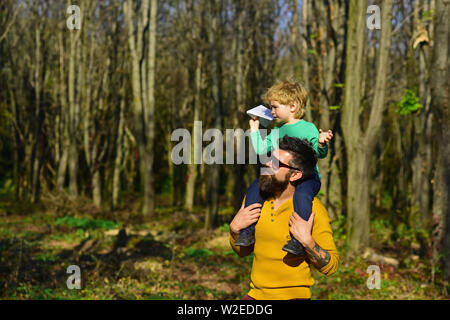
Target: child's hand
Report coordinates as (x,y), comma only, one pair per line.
(254,124)
(325,137)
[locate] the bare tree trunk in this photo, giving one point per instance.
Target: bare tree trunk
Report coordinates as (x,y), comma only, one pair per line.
(36,156)
(214,43)
(119,153)
(327,60)
(350,123)
(360,148)
(239,187)
(64,124)
(192,167)
(73,115)
(149,193)
(440,104)
(421,150)
(143,79)
(304,49)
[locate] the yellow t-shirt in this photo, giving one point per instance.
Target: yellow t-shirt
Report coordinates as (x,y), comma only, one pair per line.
(277,275)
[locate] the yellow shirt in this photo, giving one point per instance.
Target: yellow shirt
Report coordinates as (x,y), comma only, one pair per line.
(277,275)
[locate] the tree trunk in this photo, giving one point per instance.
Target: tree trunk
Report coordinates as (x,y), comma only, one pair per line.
(192,167)
(440,103)
(421,150)
(119,153)
(143,84)
(214,45)
(36,156)
(149,190)
(64,123)
(305,55)
(73,116)
(359,148)
(239,169)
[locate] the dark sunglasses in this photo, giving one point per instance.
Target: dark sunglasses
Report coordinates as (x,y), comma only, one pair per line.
(277,164)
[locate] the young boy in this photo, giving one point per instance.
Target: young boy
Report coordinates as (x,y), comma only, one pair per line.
(288,101)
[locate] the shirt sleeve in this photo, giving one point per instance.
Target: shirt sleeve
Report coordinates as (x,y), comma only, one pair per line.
(259,145)
(322,152)
(323,236)
(241,251)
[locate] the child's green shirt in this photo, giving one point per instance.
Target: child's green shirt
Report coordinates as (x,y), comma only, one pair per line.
(302,130)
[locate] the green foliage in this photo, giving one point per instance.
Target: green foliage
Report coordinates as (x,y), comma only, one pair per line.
(225,227)
(386,199)
(86,223)
(382,231)
(409,103)
(198,253)
(45,257)
(163,185)
(427,16)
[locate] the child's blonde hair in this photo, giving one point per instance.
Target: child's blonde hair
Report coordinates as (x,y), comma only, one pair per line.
(288,92)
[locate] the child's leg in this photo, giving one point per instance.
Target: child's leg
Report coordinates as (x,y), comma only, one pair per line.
(303,198)
(247,235)
(253,194)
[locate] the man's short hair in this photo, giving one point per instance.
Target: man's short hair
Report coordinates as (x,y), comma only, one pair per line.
(304,157)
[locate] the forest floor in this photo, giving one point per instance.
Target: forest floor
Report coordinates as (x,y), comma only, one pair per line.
(170,256)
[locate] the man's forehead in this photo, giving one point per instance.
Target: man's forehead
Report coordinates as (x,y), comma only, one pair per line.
(283,155)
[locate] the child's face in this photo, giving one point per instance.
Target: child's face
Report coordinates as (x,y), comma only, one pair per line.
(281,112)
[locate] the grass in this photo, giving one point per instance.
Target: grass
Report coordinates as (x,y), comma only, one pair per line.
(169,257)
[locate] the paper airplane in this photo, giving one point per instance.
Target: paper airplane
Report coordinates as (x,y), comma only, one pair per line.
(261,112)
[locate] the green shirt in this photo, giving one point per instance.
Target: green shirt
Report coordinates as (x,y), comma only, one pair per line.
(302,130)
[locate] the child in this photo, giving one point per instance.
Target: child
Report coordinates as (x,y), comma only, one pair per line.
(288,101)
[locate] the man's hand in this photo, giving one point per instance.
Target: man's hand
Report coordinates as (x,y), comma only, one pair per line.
(325,137)
(254,124)
(245,218)
(301,229)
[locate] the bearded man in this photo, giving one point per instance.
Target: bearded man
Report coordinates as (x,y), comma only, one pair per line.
(277,275)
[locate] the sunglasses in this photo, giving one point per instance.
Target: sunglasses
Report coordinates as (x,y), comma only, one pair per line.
(277,164)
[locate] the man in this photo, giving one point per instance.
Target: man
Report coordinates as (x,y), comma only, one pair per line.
(276,274)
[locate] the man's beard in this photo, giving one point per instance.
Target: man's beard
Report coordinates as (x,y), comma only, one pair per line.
(270,186)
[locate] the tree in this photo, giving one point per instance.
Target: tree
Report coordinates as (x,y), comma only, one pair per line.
(360,144)
(440,105)
(143,83)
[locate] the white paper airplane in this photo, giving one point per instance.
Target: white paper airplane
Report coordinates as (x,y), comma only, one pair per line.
(261,112)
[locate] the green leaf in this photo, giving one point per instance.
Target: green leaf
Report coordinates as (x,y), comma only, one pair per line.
(409,103)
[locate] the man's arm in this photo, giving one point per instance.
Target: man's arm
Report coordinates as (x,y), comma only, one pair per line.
(319,245)
(317,256)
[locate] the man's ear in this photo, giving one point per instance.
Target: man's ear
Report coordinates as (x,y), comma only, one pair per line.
(297,175)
